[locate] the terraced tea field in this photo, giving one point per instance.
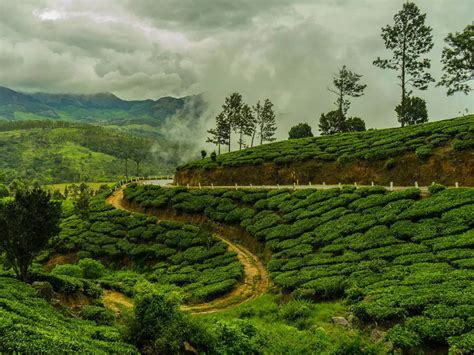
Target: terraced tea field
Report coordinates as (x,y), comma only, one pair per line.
(400,261)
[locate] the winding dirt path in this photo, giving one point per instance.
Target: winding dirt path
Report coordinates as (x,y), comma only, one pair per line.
(254,283)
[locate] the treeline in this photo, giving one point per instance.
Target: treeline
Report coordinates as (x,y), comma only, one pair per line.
(33,124)
(254,123)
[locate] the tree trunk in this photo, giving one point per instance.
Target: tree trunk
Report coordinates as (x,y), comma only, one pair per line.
(219,148)
(253,136)
(138,167)
(403,119)
(240,140)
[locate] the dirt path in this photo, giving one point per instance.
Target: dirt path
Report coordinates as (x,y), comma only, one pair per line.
(255,280)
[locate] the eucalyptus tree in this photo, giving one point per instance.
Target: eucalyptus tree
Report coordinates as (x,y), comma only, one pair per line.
(409,38)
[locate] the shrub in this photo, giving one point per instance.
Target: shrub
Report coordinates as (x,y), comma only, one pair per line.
(424,151)
(435,188)
(100,315)
(402,337)
(68,270)
(92,269)
(297,313)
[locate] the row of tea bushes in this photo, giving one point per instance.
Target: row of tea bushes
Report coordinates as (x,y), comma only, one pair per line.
(29,325)
(396,257)
(370,145)
(135,246)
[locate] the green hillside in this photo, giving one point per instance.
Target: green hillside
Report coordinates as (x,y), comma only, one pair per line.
(102,108)
(53,152)
(29,324)
(371,145)
(403,264)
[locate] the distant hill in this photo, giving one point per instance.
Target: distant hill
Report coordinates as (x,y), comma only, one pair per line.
(441,151)
(102,108)
(56,151)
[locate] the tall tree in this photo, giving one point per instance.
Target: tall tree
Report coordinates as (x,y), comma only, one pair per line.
(139,151)
(221,134)
(232,110)
(27,223)
(346,83)
(257,112)
(266,123)
(409,38)
(458,60)
(244,124)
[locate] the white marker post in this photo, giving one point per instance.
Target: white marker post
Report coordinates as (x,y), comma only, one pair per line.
(391,185)
(340,186)
(372,183)
(236,186)
(456,184)
(199,186)
(187,186)
(212,185)
(416,184)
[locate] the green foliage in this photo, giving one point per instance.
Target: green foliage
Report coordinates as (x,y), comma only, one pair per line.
(4,191)
(55,152)
(457,61)
(423,152)
(435,188)
(92,269)
(159,325)
(397,258)
(100,315)
(412,111)
(30,325)
(301,130)
(409,39)
(27,223)
(372,145)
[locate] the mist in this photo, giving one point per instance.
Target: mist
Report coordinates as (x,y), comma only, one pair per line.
(287,51)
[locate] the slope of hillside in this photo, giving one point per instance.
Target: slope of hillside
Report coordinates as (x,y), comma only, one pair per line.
(104,108)
(403,263)
(30,325)
(53,152)
(441,151)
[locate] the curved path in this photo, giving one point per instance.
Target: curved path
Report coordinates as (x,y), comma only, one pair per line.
(255,280)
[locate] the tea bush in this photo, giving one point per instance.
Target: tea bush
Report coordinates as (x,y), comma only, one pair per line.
(396,257)
(376,144)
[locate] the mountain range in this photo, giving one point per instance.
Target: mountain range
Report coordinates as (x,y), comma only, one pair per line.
(101,108)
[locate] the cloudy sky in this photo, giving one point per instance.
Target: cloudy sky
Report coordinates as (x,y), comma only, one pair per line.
(286,50)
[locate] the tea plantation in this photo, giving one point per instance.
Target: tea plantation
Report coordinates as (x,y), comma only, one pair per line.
(400,260)
(136,248)
(29,325)
(371,145)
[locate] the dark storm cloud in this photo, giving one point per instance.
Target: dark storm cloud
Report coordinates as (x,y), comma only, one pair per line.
(282,49)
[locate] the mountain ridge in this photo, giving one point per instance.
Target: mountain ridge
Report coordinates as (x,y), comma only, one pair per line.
(104,107)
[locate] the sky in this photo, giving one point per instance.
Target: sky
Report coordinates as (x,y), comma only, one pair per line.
(284,50)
